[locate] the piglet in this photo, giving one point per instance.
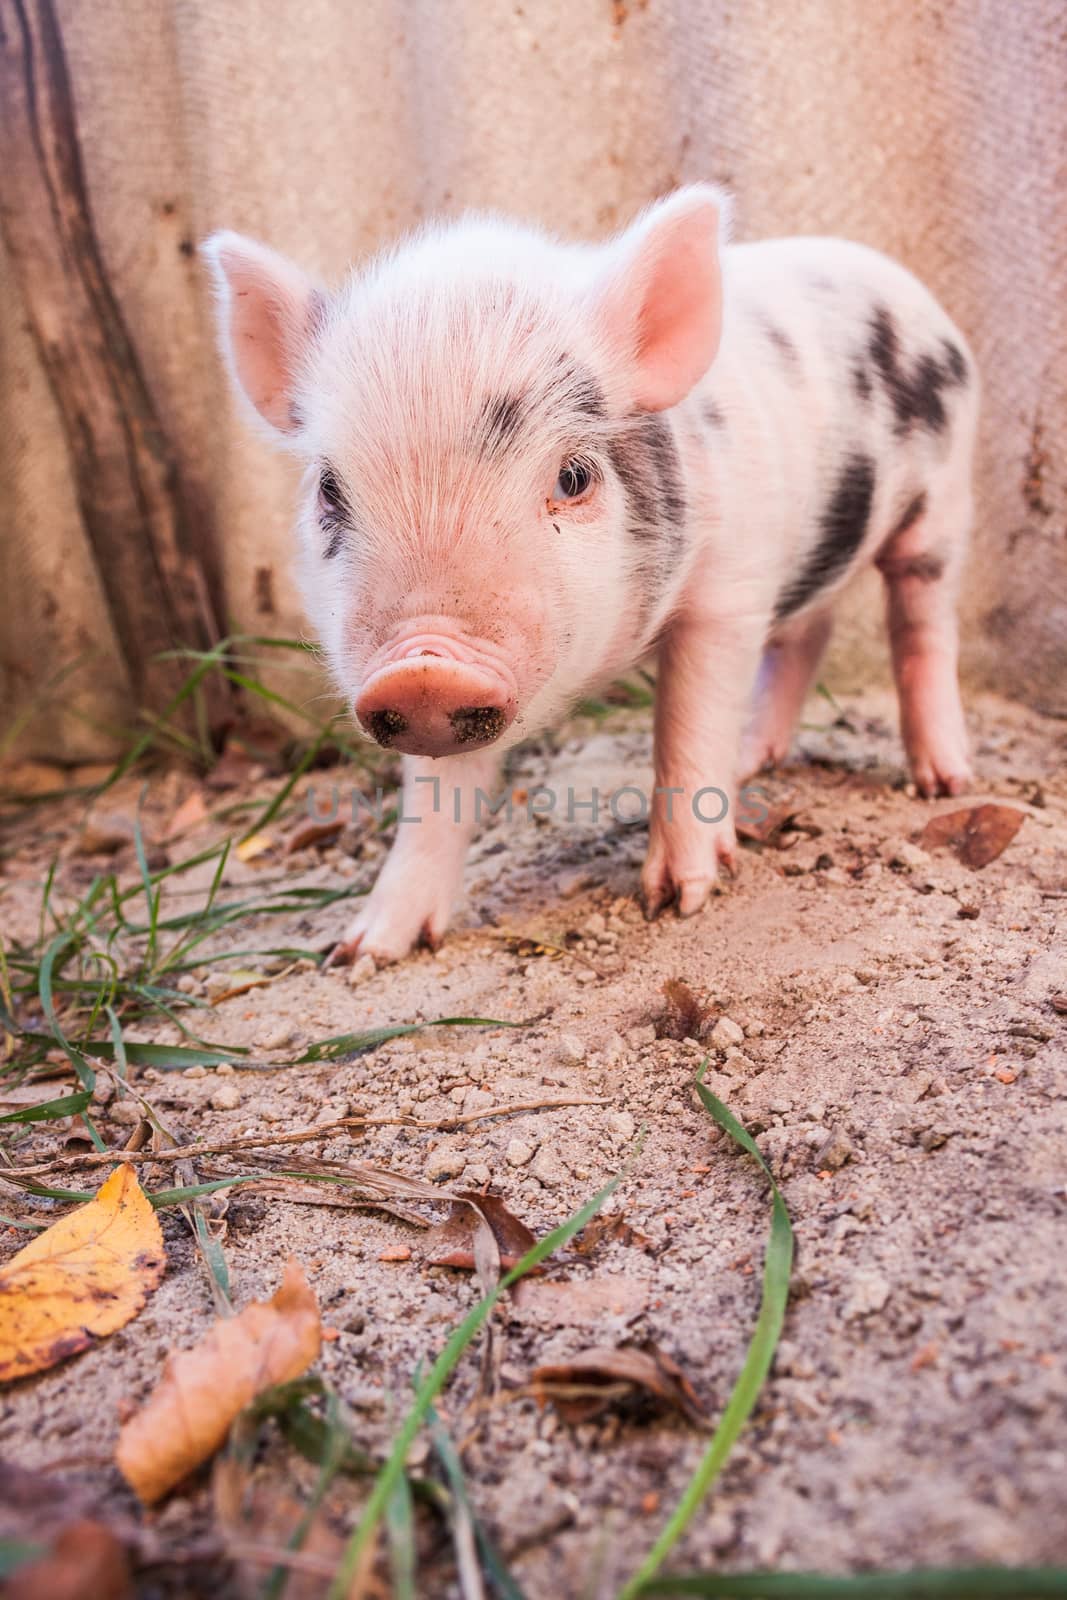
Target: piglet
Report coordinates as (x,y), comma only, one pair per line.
(529,463)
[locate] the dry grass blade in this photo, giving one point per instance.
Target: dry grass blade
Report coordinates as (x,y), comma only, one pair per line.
(265,1141)
(587,1383)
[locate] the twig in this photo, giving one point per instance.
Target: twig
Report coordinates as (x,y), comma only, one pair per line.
(256,1141)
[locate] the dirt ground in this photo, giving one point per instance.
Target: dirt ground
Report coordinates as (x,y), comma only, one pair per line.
(903,1067)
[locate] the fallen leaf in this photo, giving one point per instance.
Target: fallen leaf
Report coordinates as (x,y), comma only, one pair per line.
(977,835)
(257,844)
(311,832)
(85,1276)
(592,1380)
(610,1228)
(245,979)
(451,1244)
(85,1562)
(189,815)
(187,1417)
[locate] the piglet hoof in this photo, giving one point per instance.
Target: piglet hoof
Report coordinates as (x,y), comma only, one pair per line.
(342,954)
(935,777)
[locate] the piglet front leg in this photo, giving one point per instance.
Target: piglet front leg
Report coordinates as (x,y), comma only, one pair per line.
(412,900)
(704,682)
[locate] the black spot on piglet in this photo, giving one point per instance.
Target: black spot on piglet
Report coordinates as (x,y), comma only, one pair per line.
(916,395)
(502,418)
(842,527)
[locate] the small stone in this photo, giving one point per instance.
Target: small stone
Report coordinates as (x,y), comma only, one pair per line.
(478,1174)
(570,1050)
(595,925)
(621,1124)
(195,1072)
(869,1293)
(187,984)
(638,1038)
(362,968)
(227,1097)
(585,975)
(835,1151)
(104,832)
(518,1153)
(447,1161)
(277,1039)
(125,1112)
(738,1065)
(549,1169)
(224,1070)
(906,856)
(726,1033)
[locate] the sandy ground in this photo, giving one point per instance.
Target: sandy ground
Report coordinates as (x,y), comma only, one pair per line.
(902,1064)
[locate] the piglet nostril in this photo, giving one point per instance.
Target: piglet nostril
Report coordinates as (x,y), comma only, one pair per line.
(478,724)
(385,726)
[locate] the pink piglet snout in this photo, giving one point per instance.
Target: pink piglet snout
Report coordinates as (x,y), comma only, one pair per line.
(430,701)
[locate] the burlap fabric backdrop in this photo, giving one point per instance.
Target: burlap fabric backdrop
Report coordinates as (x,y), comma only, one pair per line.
(937,132)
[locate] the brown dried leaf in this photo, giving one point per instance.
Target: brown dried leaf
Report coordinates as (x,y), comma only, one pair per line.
(85,1562)
(455,1242)
(977,834)
(311,832)
(187,1417)
(610,1228)
(190,814)
(592,1380)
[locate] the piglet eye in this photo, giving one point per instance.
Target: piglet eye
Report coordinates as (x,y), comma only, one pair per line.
(331,496)
(575,479)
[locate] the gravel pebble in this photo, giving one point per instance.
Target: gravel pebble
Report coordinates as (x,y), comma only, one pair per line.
(227,1097)
(835,1151)
(518,1153)
(447,1161)
(726,1033)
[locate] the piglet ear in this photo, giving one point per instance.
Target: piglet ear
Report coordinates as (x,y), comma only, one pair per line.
(268,312)
(660,302)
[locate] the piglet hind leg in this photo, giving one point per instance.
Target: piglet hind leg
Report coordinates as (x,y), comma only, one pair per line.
(920,565)
(412,901)
(704,682)
(789,662)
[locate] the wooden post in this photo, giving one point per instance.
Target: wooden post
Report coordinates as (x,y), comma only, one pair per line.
(125,473)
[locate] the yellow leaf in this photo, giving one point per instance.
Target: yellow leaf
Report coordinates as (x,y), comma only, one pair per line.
(256,844)
(188,1416)
(85,1276)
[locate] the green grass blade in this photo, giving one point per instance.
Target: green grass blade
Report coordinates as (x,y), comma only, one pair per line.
(945,1583)
(776,1269)
(400,1528)
(492,1560)
(438,1376)
(336,1443)
(50,1110)
(15,1553)
(344,1044)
